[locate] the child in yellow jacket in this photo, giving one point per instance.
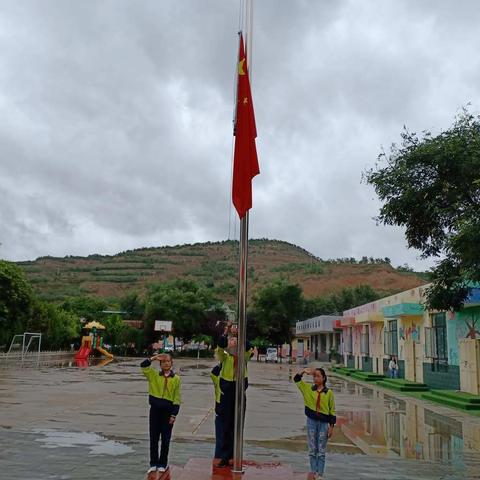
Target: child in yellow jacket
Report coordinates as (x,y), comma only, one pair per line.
(164,399)
(320,411)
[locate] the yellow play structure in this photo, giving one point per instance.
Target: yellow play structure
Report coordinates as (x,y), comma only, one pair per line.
(92,341)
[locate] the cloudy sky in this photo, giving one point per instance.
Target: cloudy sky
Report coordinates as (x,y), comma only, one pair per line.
(116,118)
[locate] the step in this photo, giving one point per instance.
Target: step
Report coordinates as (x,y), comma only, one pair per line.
(367,377)
(343,370)
(403,387)
(460,396)
(402,381)
(451,402)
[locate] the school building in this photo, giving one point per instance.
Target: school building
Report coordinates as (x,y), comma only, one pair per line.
(440,349)
(319,335)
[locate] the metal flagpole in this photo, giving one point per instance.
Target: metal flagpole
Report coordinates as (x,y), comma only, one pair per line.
(241,345)
(242,304)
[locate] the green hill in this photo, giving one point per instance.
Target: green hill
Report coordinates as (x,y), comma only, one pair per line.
(213,264)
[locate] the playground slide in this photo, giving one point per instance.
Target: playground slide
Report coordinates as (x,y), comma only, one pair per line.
(104,352)
(83,353)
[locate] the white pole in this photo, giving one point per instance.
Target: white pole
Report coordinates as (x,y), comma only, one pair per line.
(23,345)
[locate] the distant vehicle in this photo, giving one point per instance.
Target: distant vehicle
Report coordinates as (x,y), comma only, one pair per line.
(168,348)
(272,355)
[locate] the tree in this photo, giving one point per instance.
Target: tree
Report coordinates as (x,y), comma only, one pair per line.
(133,305)
(336,303)
(115,330)
(276,308)
(16,301)
(185,303)
(430,185)
(90,308)
(59,327)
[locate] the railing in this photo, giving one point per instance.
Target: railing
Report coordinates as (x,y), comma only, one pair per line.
(17,355)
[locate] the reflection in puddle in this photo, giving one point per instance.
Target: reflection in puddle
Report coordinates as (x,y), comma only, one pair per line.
(389,427)
(97,444)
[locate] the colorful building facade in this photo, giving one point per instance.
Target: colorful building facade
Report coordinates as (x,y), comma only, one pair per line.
(441,349)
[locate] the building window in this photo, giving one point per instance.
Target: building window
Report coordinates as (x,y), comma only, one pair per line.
(365,341)
(391,338)
(436,341)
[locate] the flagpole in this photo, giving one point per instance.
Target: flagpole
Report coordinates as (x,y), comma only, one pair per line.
(241,345)
(240,398)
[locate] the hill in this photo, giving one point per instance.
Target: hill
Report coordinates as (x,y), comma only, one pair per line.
(213,264)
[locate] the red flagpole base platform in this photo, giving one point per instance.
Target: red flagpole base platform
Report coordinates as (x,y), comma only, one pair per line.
(203,469)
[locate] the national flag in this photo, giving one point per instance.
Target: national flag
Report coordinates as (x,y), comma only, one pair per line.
(245,161)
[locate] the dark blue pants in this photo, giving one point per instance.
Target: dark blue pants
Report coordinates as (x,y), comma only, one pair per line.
(227,417)
(218,435)
(159,427)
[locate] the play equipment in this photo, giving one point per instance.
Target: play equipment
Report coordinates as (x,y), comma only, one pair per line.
(28,340)
(92,341)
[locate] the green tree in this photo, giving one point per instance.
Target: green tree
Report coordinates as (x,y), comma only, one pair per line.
(59,328)
(90,308)
(430,185)
(129,335)
(16,301)
(115,330)
(276,308)
(336,303)
(133,305)
(184,303)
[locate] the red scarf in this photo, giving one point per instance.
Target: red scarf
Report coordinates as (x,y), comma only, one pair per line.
(318,401)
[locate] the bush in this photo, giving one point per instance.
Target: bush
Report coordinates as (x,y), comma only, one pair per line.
(194,353)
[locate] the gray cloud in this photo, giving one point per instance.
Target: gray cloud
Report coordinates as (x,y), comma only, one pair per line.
(115,127)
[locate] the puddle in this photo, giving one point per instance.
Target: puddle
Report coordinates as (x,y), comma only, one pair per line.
(381,425)
(97,444)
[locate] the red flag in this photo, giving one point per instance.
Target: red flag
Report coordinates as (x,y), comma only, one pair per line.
(245,161)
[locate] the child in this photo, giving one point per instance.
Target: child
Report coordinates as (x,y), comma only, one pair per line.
(164,400)
(320,411)
(215,376)
(393,367)
(227,355)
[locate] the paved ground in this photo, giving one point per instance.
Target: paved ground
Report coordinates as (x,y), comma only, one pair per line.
(62,422)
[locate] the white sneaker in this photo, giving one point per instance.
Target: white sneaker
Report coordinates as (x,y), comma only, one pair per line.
(162,469)
(152,469)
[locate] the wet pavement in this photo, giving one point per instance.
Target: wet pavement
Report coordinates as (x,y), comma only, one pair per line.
(64,422)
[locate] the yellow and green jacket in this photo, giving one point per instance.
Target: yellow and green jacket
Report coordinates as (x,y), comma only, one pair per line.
(215,376)
(227,360)
(164,391)
(319,404)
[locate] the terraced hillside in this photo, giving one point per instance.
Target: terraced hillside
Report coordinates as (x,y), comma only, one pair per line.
(211,264)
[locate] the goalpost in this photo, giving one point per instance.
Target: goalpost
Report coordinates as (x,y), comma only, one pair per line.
(24,342)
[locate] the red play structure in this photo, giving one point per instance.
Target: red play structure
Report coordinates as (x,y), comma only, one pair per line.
(92,341)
